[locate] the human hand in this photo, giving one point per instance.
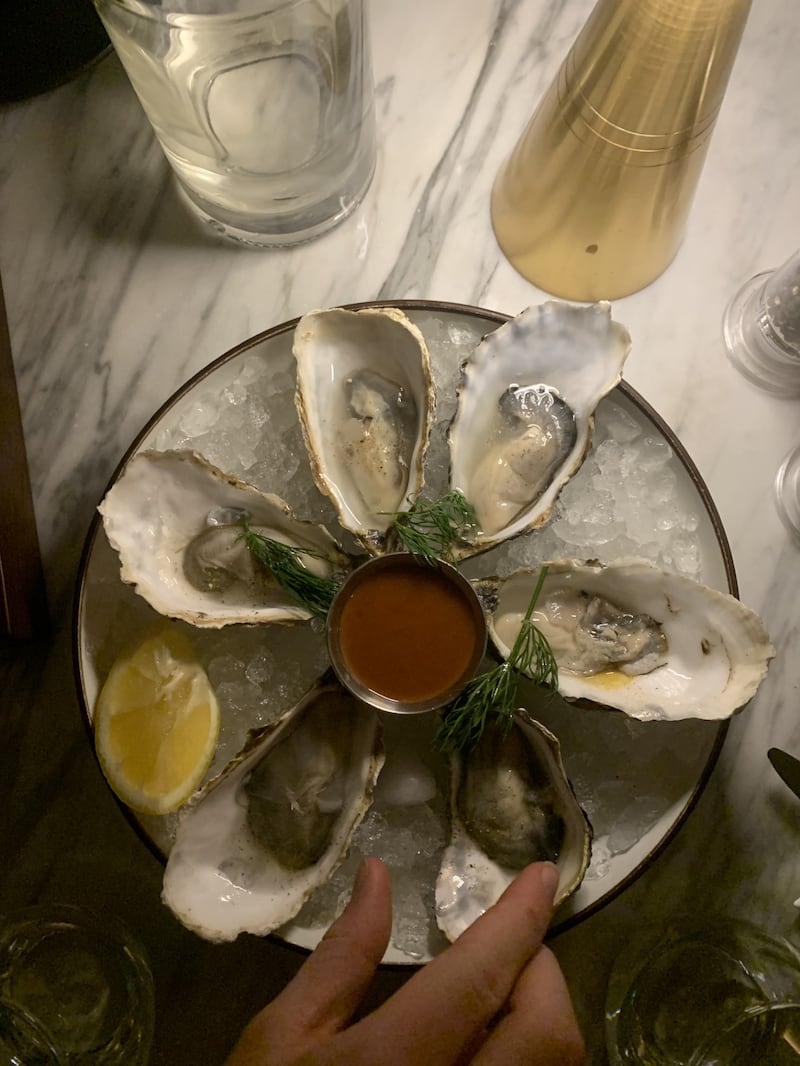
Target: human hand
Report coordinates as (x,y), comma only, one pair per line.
(496,996)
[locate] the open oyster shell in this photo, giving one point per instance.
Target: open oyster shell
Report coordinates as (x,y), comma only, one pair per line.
(510,804)
(172,517)
(525,412)
(274,825)
(628,635)
(365,401)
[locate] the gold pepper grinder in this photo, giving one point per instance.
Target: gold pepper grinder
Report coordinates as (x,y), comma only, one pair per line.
(593,201)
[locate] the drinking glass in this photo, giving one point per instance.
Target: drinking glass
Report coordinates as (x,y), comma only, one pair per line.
(264,108)
(75,990)
(787,491)
(724,994)
(761,329)
(761,333)
(23,1041)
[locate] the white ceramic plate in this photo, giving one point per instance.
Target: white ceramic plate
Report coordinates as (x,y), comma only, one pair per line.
(638,781)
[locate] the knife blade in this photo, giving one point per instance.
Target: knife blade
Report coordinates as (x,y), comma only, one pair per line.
(787,768)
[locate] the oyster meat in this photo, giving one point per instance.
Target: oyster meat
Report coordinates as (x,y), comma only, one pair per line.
(260,838)
(511,804)
(628,635)
(174,519)
(365,401)
(525,412)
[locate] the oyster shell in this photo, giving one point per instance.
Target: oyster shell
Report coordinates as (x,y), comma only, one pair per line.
(511,804)
(255,843)
(628,635)
(173,519)
(365,401)
(525,412)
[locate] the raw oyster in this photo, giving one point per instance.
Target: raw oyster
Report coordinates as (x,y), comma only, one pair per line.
(256,842)
(525,412)
(173,518)
(628,635)
(365,401)
(511,804)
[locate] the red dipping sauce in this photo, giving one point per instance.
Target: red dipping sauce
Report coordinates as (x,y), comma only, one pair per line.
(407,632)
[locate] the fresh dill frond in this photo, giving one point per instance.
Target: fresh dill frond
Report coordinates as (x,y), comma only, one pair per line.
(464,721)
(430,528)
(531,654)
(285,564)
(494,693)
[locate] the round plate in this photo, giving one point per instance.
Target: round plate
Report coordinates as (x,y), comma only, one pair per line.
(637,781)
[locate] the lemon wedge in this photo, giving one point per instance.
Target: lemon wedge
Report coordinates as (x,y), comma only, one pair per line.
(156,725)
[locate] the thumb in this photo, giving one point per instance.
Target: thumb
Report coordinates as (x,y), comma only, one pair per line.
(327,990)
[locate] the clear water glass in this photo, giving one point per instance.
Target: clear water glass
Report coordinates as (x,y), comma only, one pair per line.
(761,332)
(725,994)
(787,491)
(761,329)
(23,1041)
(76,984)
(263,108)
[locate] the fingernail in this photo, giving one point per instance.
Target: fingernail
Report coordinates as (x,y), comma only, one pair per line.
(549,876)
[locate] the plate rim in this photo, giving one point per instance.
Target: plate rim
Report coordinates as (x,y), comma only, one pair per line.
(442,307)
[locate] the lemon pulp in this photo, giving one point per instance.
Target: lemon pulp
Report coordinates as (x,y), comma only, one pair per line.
(156,724)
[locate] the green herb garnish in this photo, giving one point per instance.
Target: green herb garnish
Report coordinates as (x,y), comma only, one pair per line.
(285,564)
(495,691)
(430,528)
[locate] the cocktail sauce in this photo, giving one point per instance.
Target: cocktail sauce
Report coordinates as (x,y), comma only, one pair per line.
(408,630)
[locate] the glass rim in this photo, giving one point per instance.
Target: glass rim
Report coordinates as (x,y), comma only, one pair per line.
(35,1033)
(750,1014)
(649,947)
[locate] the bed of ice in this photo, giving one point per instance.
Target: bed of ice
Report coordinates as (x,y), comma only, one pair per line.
(624,500)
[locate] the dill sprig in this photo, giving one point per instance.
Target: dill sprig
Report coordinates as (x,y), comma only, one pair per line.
(285,564)
(494,692)
(430,528)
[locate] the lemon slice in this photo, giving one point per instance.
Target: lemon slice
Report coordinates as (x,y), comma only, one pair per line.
(156,725)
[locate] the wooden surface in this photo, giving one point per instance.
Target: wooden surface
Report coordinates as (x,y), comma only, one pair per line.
(22,596)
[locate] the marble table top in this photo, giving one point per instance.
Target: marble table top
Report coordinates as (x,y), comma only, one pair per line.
(115,297)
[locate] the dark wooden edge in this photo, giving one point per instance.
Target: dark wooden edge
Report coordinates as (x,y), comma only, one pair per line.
(23,603)
(497,317)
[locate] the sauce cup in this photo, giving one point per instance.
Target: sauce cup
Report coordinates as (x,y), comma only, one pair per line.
(405,635)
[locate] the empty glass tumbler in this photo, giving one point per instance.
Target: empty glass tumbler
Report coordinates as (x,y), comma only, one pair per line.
(761,333)
(787,491)
(264,109)
(75,990)
(720,994)
(761,329)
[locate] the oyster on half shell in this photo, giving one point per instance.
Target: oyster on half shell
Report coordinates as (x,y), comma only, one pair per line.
(628,635)
(173,518)
(365,401)
(254,844)
(526,412)
(510,804)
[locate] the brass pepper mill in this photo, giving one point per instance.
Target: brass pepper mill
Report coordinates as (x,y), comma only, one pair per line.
(593,201)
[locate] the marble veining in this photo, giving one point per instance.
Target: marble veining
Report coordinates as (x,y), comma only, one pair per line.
(116,297)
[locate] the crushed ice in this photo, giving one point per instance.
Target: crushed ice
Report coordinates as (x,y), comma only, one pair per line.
(625,500)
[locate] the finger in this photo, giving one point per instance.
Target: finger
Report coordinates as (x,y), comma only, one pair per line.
(328,988)
(444,1008)
(540,1027)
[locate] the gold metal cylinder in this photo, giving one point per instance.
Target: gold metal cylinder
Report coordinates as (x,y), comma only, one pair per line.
(593,201)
